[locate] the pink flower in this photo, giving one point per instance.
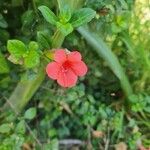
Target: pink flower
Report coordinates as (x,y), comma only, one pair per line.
(66,68)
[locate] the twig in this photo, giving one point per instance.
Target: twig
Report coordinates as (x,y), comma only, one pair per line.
(107,141)
(34,8)
(89,144)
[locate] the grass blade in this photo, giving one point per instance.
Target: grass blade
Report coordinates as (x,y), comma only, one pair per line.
(104,51)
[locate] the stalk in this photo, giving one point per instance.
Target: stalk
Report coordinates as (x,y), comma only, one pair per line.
(103,51)
(58,39)
(25,90)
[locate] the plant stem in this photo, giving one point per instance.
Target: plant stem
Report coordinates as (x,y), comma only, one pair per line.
(25,90)
(103,51)
(58,39)
(34,7)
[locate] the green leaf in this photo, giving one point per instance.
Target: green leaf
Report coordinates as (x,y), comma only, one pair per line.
(53,145)
(61,5)
(30,113)
(73,4)
(115,28)
(33,46)
(3,64)
(3,23)
(32,59)
(5,128)
(124,4)
(65,14)
(48,15)
(21,127)
(65,28)
(16,48)
(14,60)
(28,18)
(82,16)
(5,82)
(43,40)
(4,35)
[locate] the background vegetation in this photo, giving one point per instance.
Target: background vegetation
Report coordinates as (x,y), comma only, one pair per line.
(108,109)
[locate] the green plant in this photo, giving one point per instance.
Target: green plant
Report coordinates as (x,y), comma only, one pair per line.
(108,108)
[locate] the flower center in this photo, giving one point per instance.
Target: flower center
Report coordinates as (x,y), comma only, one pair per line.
(65,66)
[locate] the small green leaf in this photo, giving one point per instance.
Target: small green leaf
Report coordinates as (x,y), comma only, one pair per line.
(21,127)
(32,59)
(5,128)
(48,15)
(65,14)
(65,28)
(30,113)
(16,48)
(82,16)
(33,46)
(3,64)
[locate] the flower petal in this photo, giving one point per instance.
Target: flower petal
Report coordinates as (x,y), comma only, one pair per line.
(74,56)
(67,79)
(79,68)
(60,56)
(52,70)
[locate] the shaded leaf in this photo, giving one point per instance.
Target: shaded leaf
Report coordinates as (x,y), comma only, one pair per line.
(3,23)
(5,128)
(82,16)
(48,15)
(27,18)
(3,64)
(43,40)
(30,113)
(21,127)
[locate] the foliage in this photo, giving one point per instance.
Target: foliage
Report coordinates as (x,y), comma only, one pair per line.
(109,106)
